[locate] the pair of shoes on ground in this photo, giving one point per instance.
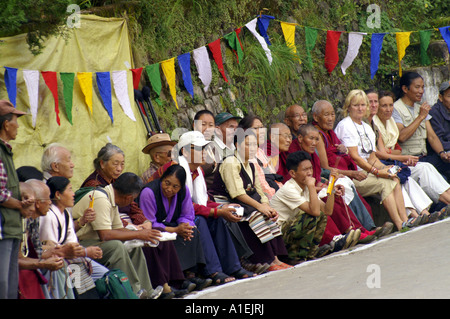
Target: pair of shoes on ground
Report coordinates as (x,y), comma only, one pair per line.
(156,293)
(186,288)
(280,266)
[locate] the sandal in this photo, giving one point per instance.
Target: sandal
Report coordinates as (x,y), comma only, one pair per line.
(219,278)
(243,274)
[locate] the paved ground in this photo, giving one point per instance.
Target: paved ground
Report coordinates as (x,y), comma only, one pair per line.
(410,265)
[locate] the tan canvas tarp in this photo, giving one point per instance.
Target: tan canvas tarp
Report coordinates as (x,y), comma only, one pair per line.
(99,45)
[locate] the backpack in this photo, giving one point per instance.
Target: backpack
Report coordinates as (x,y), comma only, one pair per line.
(81,192)
(115,285)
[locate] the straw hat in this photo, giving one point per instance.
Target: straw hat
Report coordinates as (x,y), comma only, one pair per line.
(158,140)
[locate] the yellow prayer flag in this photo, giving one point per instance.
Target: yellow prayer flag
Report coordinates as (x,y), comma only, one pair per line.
(168,68)
(85,80)
(402,43)
(289,35)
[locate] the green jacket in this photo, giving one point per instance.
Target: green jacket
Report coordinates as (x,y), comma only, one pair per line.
(10,219)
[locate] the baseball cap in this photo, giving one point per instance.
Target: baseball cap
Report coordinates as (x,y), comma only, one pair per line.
(224,116)
(7,107)
(195,138)
(444,86)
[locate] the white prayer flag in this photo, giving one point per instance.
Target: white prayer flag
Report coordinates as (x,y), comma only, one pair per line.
(354,42)
(203,64)
(31,78)
(121,89)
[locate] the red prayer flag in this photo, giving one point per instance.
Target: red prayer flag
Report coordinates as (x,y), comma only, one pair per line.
(217,55)
(52,83)
(331,50)
(136,77)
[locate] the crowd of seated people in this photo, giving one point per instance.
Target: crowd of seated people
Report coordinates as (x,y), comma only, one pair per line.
(231,199)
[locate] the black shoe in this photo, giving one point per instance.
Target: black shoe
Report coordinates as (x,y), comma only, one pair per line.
(201,283)
(188,285)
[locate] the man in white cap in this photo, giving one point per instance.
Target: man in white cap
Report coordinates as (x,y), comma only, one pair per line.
(13,209)
(159,147)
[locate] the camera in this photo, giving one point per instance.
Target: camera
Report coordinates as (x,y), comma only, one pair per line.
(394,169)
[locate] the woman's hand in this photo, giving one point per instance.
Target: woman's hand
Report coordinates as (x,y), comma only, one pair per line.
(270,212)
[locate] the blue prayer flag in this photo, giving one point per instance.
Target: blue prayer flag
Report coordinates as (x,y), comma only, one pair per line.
(445,32)
(375,50)
(184,61)
(104,87)
(11,84)
(263,25)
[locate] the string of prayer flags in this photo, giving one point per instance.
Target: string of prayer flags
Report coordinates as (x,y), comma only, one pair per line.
(402,39)
(216,51)
(155,80)
(354,43)
(203,65)
(375,50)
(289,34)
(425,36)
(251,26)
(168,68)
(331,50)
(68,79)
(136,77)
(310,40)
(104,88)
(121,88)
(31,78)
(184,61)
(85,81)
(11,84)
(52,83)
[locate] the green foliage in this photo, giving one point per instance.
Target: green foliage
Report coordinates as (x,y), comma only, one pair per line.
(37,18)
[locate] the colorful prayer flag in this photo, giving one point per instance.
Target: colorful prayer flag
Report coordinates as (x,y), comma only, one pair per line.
(203,65)
(85,81)
(310,39)
(168,68)
(121,88)
(251,26)
(31,78)
(136,77)
(354,43)
(68,80)
(52,83)
(402,39)
(375,50)
(155,80)
(104,88)
(216,51)
(263,25)
(184,61)
(11,84)
(331,50)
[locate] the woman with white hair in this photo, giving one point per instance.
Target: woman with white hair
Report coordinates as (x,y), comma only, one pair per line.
(360,141)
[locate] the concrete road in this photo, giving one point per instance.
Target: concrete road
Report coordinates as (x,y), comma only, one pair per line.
(410,265)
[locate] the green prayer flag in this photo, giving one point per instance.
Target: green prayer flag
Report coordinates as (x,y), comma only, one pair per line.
(425,36)
(310,37)
(68,78)
(155,80)
(234,44)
